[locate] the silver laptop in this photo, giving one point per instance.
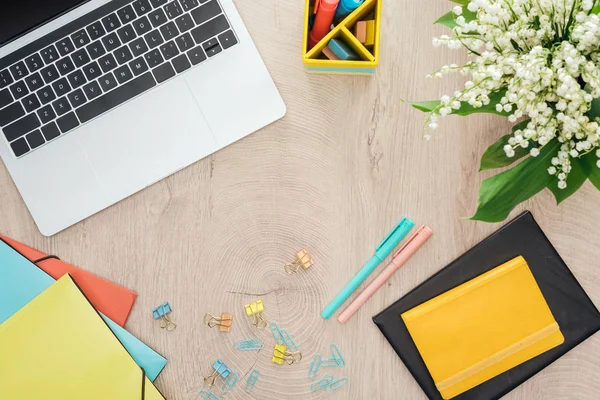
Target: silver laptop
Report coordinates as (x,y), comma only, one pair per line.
(100,99)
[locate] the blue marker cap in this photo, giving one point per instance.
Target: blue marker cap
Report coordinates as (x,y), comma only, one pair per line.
(394,237)
(345,7)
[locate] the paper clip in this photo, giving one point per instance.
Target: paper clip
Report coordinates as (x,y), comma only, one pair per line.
(252,378)
(206,395)
(230,382)
(161,312)
(280,354)
(335,385)
(336,360)
(255,309)
(303,259)
(220,369)
(314,366)
(282,337)
(224,322)
(321,383)
(248,344)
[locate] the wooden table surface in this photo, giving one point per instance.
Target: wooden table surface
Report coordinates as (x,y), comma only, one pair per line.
(333,176)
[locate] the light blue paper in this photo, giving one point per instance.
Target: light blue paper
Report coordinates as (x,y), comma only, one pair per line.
(21,281)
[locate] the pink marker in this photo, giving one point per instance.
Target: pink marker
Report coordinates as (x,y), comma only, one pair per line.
(400,258)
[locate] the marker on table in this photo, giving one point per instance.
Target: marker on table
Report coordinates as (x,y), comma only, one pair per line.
(346,7)
(325,10)
(382,251)
(400,258)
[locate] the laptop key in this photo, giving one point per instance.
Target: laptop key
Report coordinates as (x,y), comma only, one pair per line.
(158,3)
(61,106)
(108,82)
(66,66)
(68,122)
(141,7)
(126,34)
(65,46)
(138,66)
(5,79)
(5,98)
(49,54)
(189,4)
(206,12)
(76,79)
(154,58)
(196,55)
(214,50)
(169,50)
(227,39)
(111,22)
(21,127)
(118,96)
(157,17)
(173,10)
(210,29)
(46,95)
(20,147)
(34,82)
(19,70)
(185,42)
(80,38)
(61,87)
(107,63)
(181,63)
(169,31)
(142,26)
(123,55)
(77,98)
(126,14)
(92,90)
(31,103)
(50,74)
(34,62)
(154,39)
(92,71)
(50,131)
(46,114)
(123,74)
(35,139)
(138,47)
(163,72)
(96,50)
(19,90)
(184,23)
(11,113)
(111,42)
(95,30)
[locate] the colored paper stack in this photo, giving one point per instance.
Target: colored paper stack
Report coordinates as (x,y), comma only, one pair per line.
(64,339)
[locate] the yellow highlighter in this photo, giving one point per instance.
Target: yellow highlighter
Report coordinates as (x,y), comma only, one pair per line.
(483,328)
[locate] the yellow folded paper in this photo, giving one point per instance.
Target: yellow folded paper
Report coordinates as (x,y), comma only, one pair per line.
(57,347)
(483,328)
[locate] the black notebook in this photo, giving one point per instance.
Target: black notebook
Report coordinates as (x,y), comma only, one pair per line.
(575,313)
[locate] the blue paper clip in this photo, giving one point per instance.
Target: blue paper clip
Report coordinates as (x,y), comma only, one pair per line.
(248,344)
(220,369)
(161,313)
(314,366)
(335,385)
(337,360)
(230,382)
(206,395)
(321,383)
(282,337)
(289,341)
(252,378)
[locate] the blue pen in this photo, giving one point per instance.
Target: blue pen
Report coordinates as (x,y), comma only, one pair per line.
(345,7)
(382,251)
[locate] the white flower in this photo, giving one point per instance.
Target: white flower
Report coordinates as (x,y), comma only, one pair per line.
(535,152)
(598,163)
(552,170)
(457,10)
(562,185)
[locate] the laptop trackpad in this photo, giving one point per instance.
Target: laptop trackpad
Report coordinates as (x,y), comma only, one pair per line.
(147,139)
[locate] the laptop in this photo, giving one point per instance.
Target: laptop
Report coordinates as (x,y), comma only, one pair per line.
(100,99)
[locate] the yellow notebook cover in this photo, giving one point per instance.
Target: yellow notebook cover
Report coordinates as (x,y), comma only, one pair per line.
(57,347)
(483,328)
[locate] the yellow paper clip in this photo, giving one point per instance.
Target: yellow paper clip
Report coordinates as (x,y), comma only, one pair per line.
(280,354)
(224,322)
(220,369)
(255,309)
(161,312)
(303,259)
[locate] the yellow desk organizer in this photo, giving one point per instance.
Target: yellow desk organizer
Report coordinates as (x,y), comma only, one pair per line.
(316,62)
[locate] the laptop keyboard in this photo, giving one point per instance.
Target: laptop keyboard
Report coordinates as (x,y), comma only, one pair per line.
(101,60)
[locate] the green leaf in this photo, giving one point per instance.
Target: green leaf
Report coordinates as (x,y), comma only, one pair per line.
(495,156)
(465,108)
(594,109)
(589,163)
(461,2)
(575,180)
(501,193)
(449,19)
(595,10)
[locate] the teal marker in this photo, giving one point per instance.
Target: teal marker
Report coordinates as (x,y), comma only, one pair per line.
(383,250)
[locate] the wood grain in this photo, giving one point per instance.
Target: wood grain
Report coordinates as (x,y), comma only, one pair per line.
(344,165)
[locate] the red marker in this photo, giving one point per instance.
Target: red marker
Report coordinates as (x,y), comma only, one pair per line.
(325,10)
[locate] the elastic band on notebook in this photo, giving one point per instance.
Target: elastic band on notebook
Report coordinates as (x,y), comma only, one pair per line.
(45,258)
(499,356)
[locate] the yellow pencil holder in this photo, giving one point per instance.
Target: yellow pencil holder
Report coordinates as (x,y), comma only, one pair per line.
(316,62)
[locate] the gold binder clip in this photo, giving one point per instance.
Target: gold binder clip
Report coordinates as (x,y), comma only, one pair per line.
(224,322)
(220,369)
(303,259)
(255,309)
(161,312)
(280,354)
